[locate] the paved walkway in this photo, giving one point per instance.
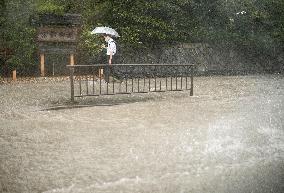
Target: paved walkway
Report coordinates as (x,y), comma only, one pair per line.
(228,137)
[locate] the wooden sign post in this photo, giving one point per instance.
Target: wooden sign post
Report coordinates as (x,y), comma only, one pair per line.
(42,64)
(72,61)
(57,34)
(14,75)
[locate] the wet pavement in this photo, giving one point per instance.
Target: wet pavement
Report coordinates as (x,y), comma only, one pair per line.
(228,137)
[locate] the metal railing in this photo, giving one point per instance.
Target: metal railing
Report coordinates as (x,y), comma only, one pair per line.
(87,80)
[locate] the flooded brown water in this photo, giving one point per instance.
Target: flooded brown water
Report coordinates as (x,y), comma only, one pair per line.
(228,137)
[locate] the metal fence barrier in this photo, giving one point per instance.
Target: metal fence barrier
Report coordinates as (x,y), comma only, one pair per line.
(88,80)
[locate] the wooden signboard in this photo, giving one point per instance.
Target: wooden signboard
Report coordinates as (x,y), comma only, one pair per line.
(58,34)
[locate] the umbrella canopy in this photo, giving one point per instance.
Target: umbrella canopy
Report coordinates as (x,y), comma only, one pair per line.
(105,30)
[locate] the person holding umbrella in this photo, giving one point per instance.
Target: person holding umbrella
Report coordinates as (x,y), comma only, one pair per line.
(110,49)
(110,52)
(108,33)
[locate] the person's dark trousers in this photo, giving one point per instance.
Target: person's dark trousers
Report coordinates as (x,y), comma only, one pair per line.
(108,71)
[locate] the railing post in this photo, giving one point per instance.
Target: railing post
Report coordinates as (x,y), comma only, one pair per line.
(42,64)
(191,80)
(72,83)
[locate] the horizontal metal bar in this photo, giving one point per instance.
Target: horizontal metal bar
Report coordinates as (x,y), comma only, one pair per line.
(141,92)
(123,93)
(157,91)
(103,65)
(87,95)
(177,90)
(108,94)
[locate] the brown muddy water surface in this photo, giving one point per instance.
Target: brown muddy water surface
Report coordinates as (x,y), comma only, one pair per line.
(228,137)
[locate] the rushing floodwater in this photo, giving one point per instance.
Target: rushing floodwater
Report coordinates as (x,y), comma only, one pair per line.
(228,137)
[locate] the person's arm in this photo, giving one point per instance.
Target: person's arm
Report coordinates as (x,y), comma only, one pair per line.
(110,58)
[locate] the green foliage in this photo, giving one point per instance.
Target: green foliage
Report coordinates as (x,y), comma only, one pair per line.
(50,7)
(257,25)
(90,44)
(23,45)
(2,20)
(17,34)
(146,23)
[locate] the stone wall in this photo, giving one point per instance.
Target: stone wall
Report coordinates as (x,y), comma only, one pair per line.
(213,59)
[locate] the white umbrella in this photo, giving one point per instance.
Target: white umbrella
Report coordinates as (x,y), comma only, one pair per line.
(105,30)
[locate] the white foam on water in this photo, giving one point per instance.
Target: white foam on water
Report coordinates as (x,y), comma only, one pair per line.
(98,186)
(120,181)
(68,189)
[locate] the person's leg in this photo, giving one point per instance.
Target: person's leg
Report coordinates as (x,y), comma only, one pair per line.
(111,68)
(107,73)
(101,72)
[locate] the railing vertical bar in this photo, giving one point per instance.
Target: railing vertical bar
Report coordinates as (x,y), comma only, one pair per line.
(144,80)
(107,78)
(176,81)
(113,79)
(80,86)
(138,85)
(166,83)
(93,83)
(186,87)
(155,75)
(107,87)
(191,81)
(87,85)
(126,81)
(72,83)
(113,86)
(149,84)
(171,83)
(100,75)
(132,89)
(155,83)
(144,84)
(120,87)
(126,84)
